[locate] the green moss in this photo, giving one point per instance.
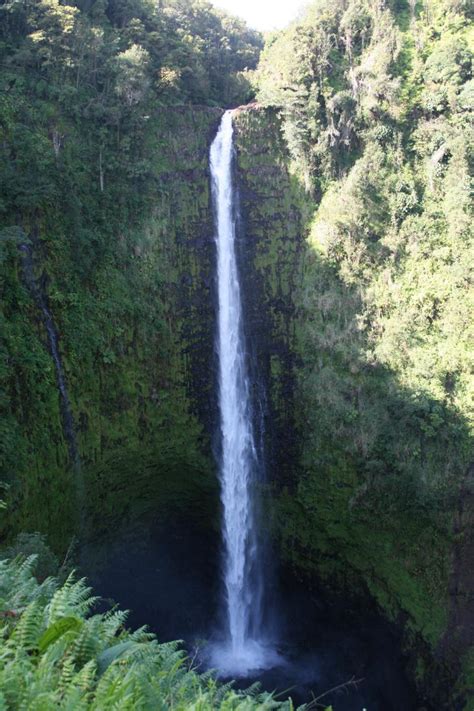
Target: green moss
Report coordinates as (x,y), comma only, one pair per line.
(349,547)
(356,372)
(273,208)
(126,284)
(466,684)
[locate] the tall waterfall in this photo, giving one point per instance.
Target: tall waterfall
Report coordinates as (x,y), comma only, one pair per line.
(243,570)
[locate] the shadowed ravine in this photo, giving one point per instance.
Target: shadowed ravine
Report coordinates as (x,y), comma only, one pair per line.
(167,573)
(178,575)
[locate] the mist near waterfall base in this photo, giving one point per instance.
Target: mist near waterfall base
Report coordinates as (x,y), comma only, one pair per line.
(168,575)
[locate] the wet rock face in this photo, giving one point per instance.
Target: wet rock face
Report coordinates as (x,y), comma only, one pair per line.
(191,246)
(37,290)
(270,243)
(457,643)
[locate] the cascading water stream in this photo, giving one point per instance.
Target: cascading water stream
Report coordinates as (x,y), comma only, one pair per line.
(36,291)
(243,649)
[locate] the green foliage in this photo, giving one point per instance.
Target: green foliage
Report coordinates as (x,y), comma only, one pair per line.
(376,107)
(81,54)
(388,316)
(28,544)
(329,73)
(55,654)
(103,175)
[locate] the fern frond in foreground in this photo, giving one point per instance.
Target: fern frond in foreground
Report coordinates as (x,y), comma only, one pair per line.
(56,654)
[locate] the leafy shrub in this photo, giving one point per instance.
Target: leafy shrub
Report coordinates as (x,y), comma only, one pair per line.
(56,654)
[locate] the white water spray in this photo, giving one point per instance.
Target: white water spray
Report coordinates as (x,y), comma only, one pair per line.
(243,649)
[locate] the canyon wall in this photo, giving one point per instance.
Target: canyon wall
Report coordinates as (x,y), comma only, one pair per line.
(129,288)
(368,478)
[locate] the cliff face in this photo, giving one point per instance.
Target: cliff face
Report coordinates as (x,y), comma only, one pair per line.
(129,295)
(270,248)
(370,476)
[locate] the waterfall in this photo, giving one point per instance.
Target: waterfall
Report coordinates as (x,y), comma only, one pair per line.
(38,296)
(243,649)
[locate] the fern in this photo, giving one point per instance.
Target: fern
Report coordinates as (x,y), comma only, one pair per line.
(67,675)
(141,635)
(56,656)
(254,690)
(113,622)
(85,679)
(18,586)
(28,629)
(88,643)
(73,598)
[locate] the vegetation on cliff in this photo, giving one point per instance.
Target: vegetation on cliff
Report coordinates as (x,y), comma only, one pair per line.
(376,102)
(103,177)
(106,111)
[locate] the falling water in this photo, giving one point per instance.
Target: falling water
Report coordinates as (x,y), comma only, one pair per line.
(243,649)
(65,406)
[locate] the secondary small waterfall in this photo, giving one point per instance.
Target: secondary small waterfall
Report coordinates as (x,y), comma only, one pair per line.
(243,568)
(37,294)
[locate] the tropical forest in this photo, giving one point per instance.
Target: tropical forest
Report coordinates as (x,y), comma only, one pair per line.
(236,356)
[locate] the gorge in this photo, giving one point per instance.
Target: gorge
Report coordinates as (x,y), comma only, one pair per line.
(347,365)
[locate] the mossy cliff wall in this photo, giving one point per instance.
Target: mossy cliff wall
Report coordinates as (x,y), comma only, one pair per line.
(371,478)
(270,246)
(126,270)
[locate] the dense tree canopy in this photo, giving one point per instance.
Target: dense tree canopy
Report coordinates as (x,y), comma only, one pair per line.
(91,56)
(376,100)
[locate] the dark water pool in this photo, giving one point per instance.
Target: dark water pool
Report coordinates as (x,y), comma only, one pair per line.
(167,574)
